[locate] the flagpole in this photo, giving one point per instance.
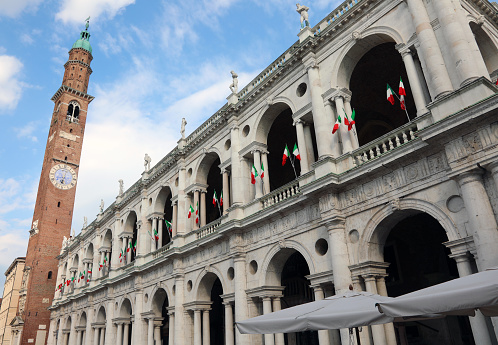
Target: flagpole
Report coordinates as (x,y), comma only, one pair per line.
(293,168)
(406,111)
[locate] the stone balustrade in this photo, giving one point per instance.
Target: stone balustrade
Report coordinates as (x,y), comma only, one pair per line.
(208,229)
(385,144)
(334,16)
(283,193)
(161,251)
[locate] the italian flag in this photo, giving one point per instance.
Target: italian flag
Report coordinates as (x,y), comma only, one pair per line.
(168,226)
(262,171)
(390,96)
(197,213)
(336,124)
(221,198)
(295,152)
(156,235)
(79,277)
(215,198)
(254,174)
(89,276)
(286,155)
(347,122)
(190,211)
(129,247)
(134,247)
(402,94)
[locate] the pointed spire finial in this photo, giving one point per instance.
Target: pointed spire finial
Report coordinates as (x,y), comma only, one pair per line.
(87,23)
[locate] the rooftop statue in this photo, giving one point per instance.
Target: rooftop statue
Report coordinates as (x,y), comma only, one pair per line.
(121,187)
(234,87)
(182,130)
(101,205)
(147,161)
(87,23)
(303,11)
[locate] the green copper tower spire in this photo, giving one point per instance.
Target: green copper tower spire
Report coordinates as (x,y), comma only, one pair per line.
(84,41)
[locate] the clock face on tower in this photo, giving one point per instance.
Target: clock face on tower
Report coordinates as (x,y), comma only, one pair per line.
(63,176)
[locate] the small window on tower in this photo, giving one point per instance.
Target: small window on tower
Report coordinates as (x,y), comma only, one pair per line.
(67,145)
(49,275)
(56,221)
(65,158)
(59,204)
(71,130)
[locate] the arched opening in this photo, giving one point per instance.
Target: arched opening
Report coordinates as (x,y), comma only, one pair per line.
(66,331)
(210,290)
(73,112)
(209,173)
(89,263)
(377,65)
(163,205)
(125,313)
(488,49)
(106,249)
(131,227)
(160,304)
(418,259)
(81,328)
(100,326)
(281,133)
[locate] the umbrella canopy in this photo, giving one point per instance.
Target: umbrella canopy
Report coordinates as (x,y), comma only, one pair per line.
(352,309)
(459,296)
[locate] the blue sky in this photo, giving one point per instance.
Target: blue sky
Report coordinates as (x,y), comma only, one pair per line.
(155,62)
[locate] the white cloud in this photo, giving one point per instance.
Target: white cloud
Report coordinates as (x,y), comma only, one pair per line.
(26,132)
(76,11)
(16,194)
(12,8)
(10,86)
(12,246)
(25,38)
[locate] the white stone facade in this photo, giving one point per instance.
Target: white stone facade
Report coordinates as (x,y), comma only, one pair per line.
(336,215)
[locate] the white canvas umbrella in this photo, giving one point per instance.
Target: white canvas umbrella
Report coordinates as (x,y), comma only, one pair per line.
(459,296)
(352,309)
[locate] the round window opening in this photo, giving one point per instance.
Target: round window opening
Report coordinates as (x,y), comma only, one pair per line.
(322,246)
(189,172)
(189,285)
(245,130)
(228,144)
(231,273)
(301,89)
(253,267)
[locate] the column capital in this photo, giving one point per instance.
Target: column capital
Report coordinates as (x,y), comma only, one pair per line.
(298,122)
(469,177)
(335,223)
(334,93)
(310,62)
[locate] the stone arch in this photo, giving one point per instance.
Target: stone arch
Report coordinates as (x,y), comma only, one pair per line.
(89,251)
(107,241)
(378,227)
(487,47)
(101,314)
(355,49)
(64,270)
(203,166)
(76,260)
(274,261)
(125,307)
(130,221)
(161,198)
(267,115)
(159,296)
(67,324)
(205,282)
(83,319)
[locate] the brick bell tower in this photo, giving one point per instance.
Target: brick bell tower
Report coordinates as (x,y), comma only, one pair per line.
(56,191)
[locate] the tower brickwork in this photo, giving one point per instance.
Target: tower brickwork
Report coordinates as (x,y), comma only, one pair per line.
(56,192)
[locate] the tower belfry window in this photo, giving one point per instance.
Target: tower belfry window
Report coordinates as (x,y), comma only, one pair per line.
(73,112)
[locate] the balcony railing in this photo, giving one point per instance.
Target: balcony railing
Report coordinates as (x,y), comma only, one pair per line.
(161,250)
(208,229)
(283,193)
(334,16)
(385,144)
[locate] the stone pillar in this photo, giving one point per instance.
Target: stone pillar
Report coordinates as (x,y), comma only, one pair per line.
(179,316)
(203,208)
(336,147)
(455,38)
(301,142)
(206,336)
(66,338)
(88,330)
(102,336)
(323,336)
(123,248)
(175,220)
(436,74)
(257,164)
(240,296)
(378,333)
(353,136)
(388,327)
(225,192)
(197,327)
(309,143)
(196,208)
(277,306)
(238,183)
(340,260)
(160,222)
(157,333)
(126,334)
(96,336)
(78,337)
(119,336)
(347,146)
(323,124)
(269,338)
(171,328)
(414,81)
(481,218)
(494,173)
(182,207)
(229,336)
(266,177)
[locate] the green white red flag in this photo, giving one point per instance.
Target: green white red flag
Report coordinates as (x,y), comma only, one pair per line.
(262,171)
(169,227)
(156,235)
(190,211)
(215,198)
(254,174)
(221,198)
(286,155)
(390,95)
(197,213)
(295,152)
(336,124)
(402,94)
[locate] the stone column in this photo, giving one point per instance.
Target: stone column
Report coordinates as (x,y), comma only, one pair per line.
(414,81)
(455,37)
(388,327)
(96,336)
(181,214)
(102,336)
(179,315)
(203,208)
(196,208)
(436,74)
(266,177)
(160,222)
(481,218)
(119,336)
(353,136)
(323,336)
(336,147)
(206,335)
(309,143)
(126,334)
(269,338)
(301,142)
(257,164)
(175,219)
(240,296)
(229,336)
(197,327)
(277,306)
(378,333)
(66,338)
(157,333)
(340,260)
(347,146)
(225,191)
(323,124)
(171,328)
(123,248)
(238,183)
(494,173)
(78,337)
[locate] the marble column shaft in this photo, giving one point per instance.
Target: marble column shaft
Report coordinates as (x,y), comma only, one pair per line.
(119,335)
(160,225)
(240,297)
(378,332)
(96,336)
(175,220)
(301,142)
(206,335)
(388,327)
(277,306)
(414,81)
(203,208)
(352,133)
(266,177)
(269,338)
(336,147)
(126,334)
(257,165)
(225,192)
(197,328)
(179,315)
(238,183)
(171,328)
(196,209)
(347,145)
(229,335)
(323,335)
